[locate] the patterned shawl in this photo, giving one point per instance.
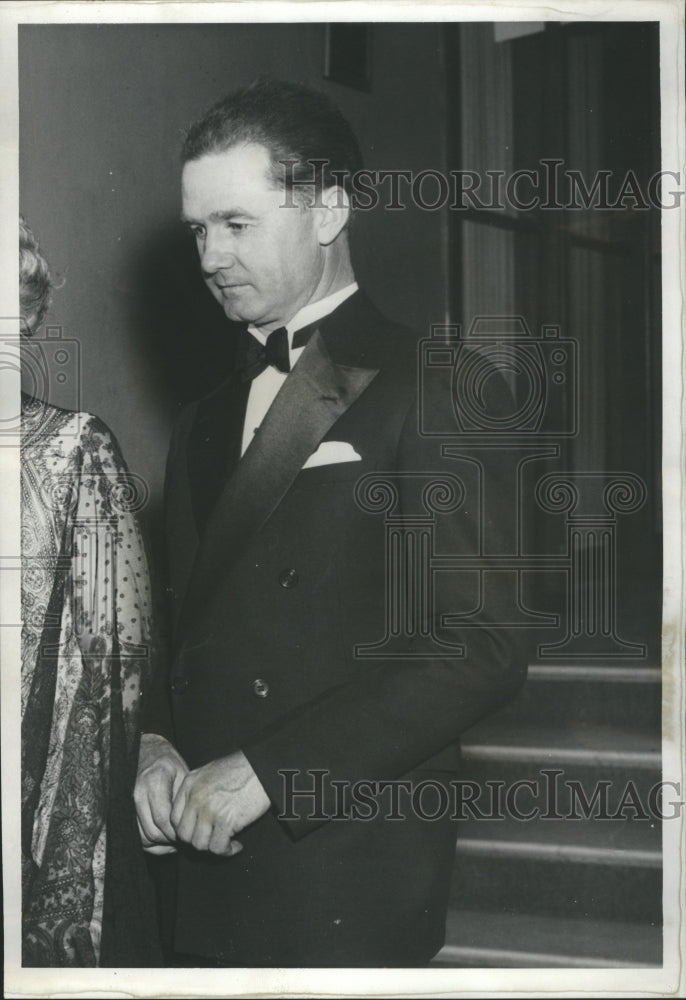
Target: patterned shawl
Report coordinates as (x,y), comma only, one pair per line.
(86,653)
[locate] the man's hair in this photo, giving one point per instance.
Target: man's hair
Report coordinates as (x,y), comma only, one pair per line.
(294,123)
(35,280)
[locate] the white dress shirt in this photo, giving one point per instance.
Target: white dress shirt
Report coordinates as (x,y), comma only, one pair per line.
(267,384)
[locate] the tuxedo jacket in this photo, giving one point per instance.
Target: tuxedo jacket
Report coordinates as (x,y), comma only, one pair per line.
(300,639)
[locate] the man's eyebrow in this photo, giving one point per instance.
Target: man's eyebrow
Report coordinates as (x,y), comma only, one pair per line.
(224,215)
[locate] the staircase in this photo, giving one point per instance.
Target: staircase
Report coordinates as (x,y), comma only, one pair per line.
(572,891)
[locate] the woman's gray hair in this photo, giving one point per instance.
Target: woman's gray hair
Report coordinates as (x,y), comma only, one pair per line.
(35,280)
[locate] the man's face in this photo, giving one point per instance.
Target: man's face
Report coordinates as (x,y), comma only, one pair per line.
(261,260)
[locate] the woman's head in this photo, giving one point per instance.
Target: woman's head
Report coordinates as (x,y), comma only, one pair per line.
(35,280)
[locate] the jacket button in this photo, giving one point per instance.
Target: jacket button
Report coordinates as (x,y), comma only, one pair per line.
(260,688)
(288,578)
(179,685)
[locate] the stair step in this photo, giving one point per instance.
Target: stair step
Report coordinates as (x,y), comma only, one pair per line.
(562,881)
(586,745)
(557,693)
(566,867)
(597,673)
(617,765)
(571,782)
(572,891)
(476,939)
(626,843)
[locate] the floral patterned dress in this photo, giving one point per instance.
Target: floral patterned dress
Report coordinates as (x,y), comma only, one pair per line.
(86,654)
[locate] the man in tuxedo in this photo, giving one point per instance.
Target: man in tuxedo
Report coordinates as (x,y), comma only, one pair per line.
(290,673)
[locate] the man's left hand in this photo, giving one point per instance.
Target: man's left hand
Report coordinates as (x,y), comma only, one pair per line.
(217,801)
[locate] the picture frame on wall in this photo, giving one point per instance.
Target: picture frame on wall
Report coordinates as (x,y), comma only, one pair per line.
(348,55)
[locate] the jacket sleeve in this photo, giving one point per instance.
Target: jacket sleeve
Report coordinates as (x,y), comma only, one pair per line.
(397,713)
(157,714)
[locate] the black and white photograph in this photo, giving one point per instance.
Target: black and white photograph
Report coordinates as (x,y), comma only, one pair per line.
(341,533)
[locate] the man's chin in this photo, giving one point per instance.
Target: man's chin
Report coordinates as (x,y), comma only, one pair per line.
(234,315)
(235,311)
(233,302)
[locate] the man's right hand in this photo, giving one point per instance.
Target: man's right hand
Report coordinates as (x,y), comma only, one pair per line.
(161,771)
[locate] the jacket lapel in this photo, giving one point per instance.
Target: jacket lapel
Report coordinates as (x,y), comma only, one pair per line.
(214,445)
(314,396)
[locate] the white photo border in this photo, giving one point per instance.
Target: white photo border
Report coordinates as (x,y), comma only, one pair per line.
(671,979)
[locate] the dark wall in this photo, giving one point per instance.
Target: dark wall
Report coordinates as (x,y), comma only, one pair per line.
(102,108)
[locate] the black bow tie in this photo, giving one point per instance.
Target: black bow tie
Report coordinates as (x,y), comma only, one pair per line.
(253,357)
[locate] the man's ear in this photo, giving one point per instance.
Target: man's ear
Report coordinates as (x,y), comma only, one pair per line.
(333,212)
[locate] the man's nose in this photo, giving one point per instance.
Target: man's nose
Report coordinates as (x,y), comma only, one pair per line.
(215,256)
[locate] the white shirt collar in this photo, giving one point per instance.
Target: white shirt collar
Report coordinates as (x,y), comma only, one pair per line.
(310,313)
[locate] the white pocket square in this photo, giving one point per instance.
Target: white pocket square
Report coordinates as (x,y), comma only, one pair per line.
(332,453)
